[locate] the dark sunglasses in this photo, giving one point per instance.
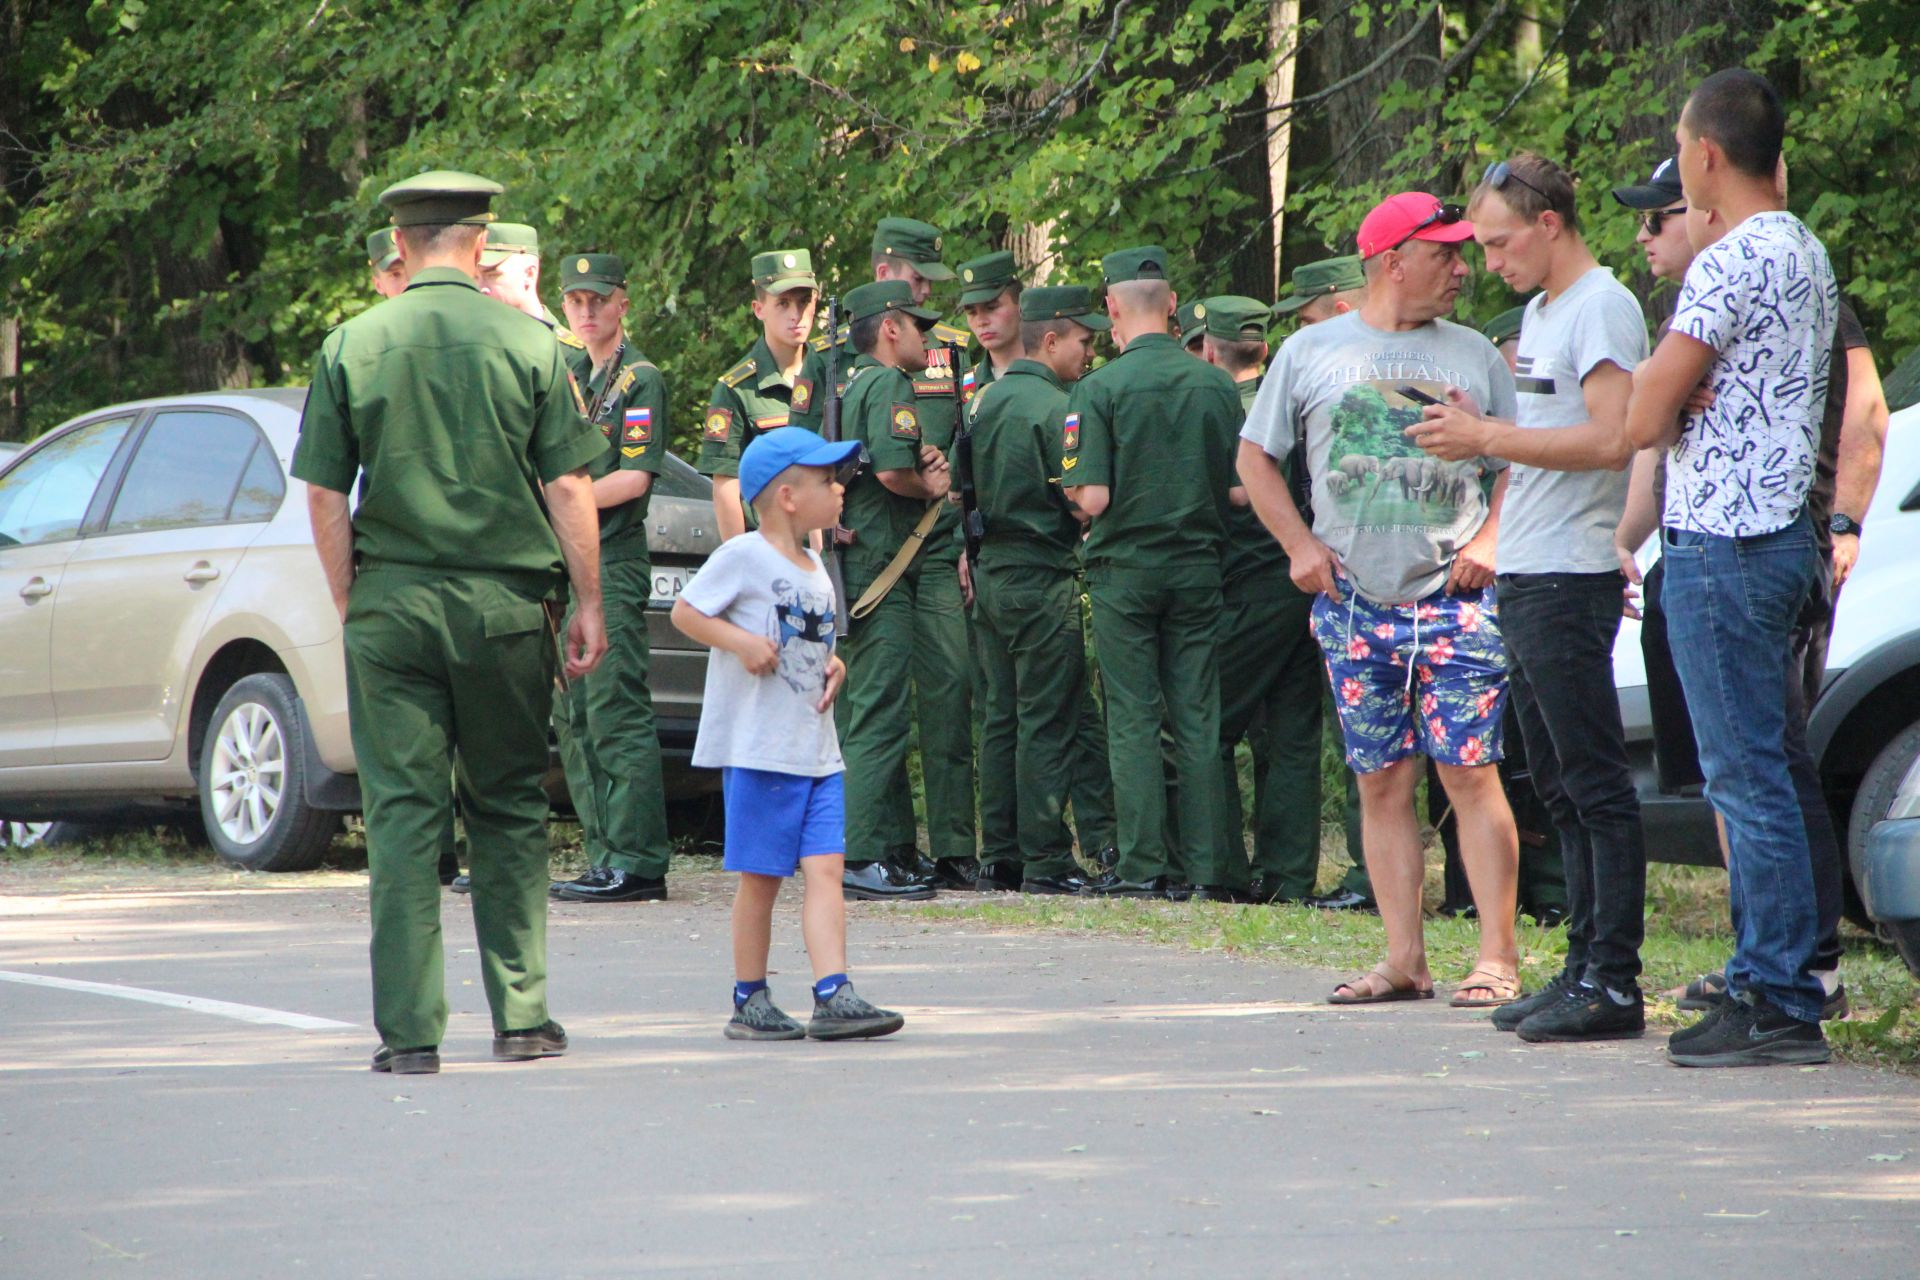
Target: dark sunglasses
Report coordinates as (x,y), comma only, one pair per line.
(1500,171)
(1444,216)
(1654,219)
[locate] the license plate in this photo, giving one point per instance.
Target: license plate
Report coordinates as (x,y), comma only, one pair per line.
(668,583)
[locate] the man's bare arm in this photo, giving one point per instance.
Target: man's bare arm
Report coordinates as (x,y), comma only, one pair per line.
(617,488)
(577,522)
(728,513)
(1600,443)
(1089,500)
(1311,562)
(1863,442)
(333,539)
(1661,386)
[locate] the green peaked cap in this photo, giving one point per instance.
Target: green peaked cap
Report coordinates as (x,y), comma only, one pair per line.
(1505,325)
(1189,323)
(881,297)
(1234,318)
(1147,262)
(382,252)
(984,279)
(504,239)
(1317,279)
(441,197)
(913,242)
(599,273)
(1073,302)
(779,270)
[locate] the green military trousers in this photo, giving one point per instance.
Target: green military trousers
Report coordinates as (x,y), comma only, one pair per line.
(1034,654)
(1158,650)
(913,643)
(610,748)
(437,664)
(1272,685)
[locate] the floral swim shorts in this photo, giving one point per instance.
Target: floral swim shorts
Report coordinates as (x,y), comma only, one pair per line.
(1427,678)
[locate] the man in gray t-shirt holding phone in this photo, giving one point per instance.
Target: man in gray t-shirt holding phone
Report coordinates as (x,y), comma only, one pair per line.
(1560,582)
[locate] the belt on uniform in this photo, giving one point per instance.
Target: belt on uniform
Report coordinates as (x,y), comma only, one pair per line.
(870,598)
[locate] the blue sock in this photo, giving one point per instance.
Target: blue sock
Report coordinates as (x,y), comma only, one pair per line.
(743,991)
(824,989)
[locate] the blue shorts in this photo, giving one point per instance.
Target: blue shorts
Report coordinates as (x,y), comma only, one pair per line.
(776,819)
(1428,677)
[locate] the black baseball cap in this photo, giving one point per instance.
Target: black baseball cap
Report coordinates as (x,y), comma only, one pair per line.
(1658,191)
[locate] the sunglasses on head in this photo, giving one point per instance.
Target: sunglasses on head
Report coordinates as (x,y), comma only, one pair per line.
(1444,216)
(1654,219)
(1499,172)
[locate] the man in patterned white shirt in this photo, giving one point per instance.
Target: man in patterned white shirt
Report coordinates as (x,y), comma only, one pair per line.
(1755,319)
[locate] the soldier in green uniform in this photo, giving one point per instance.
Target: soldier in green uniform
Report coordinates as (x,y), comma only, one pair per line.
(1272,681)
(1190,328)
(890,506)
(1147,452)
(1027,595)
(613,766)
(510,271)
(1323,290)
(388,275)
(759,392)
(990,299)
(441,576)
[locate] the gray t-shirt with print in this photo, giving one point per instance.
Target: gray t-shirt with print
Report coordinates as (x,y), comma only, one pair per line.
(767,722)
(1393,515)
(1563,521)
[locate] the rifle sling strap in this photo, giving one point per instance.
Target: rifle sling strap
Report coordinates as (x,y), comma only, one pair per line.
(870,598)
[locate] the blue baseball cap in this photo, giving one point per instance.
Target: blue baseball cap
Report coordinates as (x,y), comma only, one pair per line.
(784,447)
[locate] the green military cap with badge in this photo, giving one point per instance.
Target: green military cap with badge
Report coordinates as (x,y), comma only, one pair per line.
(1146,262)
(442,198)
(984,279)
(1318,279)
(599,273)
(913,242)
(1505,325)
(1190,321)
(1073,302)
(883,296)
(1234,318)
(382,250)
(505,239)
(783,269)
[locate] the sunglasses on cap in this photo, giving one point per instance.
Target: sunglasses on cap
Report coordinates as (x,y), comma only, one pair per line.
(1653,219)
(1443,216)
(1499,172)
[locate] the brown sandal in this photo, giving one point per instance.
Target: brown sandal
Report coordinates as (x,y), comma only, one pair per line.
(1399,987)
(1506,990)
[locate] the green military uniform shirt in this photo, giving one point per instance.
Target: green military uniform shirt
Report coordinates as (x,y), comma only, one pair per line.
(1253,553)
(751,398)
(1016,424)
(1160,429)
(628,402)
(451,483)
(880,411)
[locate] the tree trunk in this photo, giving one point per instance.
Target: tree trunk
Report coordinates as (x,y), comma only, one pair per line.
(1283,35)
(1358,142)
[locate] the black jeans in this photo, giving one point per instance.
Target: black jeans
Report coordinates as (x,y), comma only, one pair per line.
(1560,629)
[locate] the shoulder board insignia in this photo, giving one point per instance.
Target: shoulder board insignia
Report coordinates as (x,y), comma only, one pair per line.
(628,376)
(566,339)
(719,424)
(905,422)
(768,421)
(819,342)
(947,333)
(632,451)
(1070,438)
(740,372)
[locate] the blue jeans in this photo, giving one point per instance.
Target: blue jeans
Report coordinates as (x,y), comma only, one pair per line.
(1731,605)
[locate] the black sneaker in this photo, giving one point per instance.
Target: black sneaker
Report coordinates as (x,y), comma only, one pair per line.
(1508,1017)
(1586,1013)
(1751,1033)
(847,1017)
(1703,1026)
(761,1019)
(548,1040)
(408,1062)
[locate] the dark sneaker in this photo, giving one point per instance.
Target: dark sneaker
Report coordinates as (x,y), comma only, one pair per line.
(1508,1017)
(408,1062)
(847,1017)
(1342,900)
(1750,1033)
(591,878)
(548,1040)
(1586,1013)
(761,1019)
(1706,1024)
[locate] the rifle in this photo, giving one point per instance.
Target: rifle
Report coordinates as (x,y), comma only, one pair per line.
(837,537)
(973,527)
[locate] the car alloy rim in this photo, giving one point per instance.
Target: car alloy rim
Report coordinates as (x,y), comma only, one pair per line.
(249,773)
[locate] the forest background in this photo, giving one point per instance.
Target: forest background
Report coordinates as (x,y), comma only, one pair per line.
(185,185)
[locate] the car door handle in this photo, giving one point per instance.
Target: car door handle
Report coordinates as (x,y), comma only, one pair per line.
(36,588)
(202,572)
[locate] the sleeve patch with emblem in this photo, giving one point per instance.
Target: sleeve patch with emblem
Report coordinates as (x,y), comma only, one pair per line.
(639,426)
(906,422)
(1070,439)
(803,393)
(719,423)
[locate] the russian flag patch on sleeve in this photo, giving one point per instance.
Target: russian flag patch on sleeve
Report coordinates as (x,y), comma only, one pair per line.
(1070,439)
(639,423)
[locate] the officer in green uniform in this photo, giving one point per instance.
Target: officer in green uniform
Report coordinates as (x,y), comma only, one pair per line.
(1027,595)
(1189,327)
(1272,682)
(388,276)
(613,764)
(757,394)
(1323,290)
(990,298)
(1147,452)
(510,271)
(890,506)
(441,575)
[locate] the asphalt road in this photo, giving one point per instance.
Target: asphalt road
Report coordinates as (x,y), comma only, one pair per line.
(1057,1106)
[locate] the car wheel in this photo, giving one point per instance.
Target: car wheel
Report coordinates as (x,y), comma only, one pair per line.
(1878,788)
(253,794)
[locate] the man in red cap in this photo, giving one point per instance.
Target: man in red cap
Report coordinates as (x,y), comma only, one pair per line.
(1400,553)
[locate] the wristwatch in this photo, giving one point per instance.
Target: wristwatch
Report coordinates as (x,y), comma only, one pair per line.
(1837,523)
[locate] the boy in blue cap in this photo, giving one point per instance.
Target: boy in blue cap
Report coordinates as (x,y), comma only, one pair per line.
(764,604)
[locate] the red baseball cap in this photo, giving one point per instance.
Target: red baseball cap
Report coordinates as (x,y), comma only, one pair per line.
(1412,215)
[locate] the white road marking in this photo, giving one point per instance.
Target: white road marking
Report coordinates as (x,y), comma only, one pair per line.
(194,1004)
